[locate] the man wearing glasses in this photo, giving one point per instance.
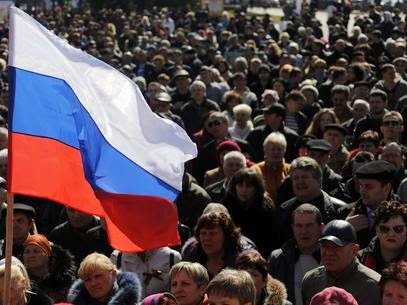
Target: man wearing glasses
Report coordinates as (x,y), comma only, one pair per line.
(390,243)
(392,127)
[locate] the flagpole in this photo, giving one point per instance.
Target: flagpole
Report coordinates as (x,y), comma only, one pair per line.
(9,248)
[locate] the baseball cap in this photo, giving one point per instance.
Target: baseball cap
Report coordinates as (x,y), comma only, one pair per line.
(340,232)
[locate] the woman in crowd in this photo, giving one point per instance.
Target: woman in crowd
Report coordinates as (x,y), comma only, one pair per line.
(390,244)
(188,283)
(251,207)
(393,284)
(216,244)
(101,283)
(280,86)
(232,99)
(269,291)
(322,118)
(51,268)
(21,292)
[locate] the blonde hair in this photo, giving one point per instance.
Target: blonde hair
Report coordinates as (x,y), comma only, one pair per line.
(195,271)
(16,275)
(94,262)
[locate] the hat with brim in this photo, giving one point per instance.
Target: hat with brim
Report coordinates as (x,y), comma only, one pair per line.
(340,232)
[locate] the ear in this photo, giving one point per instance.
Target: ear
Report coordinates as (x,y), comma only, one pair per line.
(113,274)
(322,226)
(355,249)
(381,129)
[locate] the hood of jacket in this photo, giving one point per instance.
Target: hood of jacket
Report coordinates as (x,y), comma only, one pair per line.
(128,292)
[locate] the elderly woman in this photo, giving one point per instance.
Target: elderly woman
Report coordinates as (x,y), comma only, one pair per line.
(216,244)
(242,124)
(393,284)
(101,283)
(188,283)
(390,244)
(269,291)
(50,267)
(273,169)
(21,292)
(250,207)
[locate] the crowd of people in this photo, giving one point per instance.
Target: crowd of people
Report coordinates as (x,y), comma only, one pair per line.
(298,193)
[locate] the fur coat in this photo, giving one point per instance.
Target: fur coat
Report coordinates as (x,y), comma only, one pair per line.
(62,271)
(274,293)
(128,292)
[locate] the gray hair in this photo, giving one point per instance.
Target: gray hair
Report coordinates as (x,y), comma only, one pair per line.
(402,191)
(197,83)
(235,154)
(275,137)
(242,108)
(307,164)
(361,102)
(195,271)
(391,145)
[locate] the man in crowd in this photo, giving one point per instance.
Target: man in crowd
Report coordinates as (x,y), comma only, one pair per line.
(299,254)
(306,177)
(375,186)
(340,268)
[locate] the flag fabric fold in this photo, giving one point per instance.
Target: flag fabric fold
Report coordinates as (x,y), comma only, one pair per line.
(82,134)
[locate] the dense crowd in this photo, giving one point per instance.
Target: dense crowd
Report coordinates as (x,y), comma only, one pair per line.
(300,177)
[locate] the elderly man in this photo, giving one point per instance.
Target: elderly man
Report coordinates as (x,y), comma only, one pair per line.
(299,254)
(273,168)
(374,186)
(306,177)
(340,267)
(232,162)
(192,113)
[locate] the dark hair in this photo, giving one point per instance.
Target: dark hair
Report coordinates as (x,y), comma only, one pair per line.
(295,95)
(231,232)
(388,209)
(386,67)
(394,272)
(248,175)
(307,208)
(378,93)
(253,260)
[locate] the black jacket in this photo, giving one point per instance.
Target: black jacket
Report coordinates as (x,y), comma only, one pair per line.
(127,291)
(282,262)
(327,205)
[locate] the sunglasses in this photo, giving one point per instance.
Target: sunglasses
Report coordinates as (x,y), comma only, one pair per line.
(396,229)
(391,123)
(214,123)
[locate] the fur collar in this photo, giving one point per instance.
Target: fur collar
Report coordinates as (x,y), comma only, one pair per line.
(276,294)
(128,292)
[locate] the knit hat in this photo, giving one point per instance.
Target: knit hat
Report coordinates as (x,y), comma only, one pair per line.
(228,145)
(40,241)
(157,298)
(333,295)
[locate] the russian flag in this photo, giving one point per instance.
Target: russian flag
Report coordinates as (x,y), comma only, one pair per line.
(82,134)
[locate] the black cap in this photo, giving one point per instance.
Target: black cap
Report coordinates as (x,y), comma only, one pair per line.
(340,232)
(319,144)
(276,108)
(163,97)
(20,207)
(337,127)
(181,73)
(379,170)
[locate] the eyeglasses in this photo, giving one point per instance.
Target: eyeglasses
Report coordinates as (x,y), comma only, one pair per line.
(396,229)
(214,123)
(391,123)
